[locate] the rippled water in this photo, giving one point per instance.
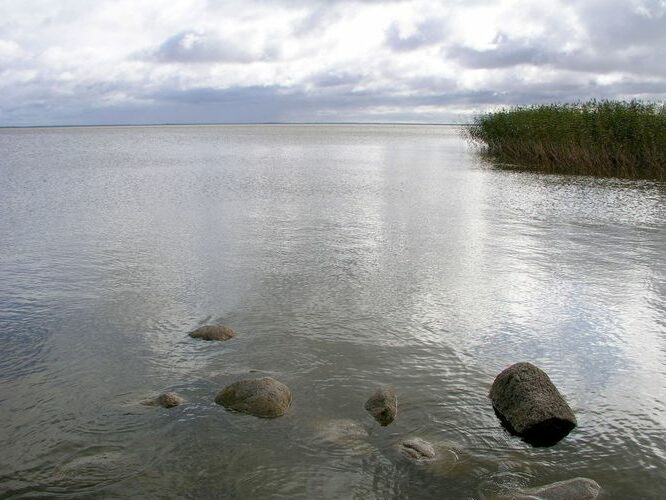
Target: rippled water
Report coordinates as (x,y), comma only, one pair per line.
(345,257)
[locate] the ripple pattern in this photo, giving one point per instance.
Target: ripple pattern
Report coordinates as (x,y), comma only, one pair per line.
(345,258)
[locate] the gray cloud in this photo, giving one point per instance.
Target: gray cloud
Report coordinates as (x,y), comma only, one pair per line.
(316,20)
(507,52)
(335,79)
(201,47)
(608,47)
(427,33)
(251,104)
(621,24)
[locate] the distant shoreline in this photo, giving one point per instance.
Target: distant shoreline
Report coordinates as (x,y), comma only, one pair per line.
(239,124)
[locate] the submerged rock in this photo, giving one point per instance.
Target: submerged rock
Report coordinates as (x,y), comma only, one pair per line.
(262,397)
(92,467)
(383,405)
(341,430)
(503,485)
(344,434)
(439,458)
(579,488)
(529,405)
(213,332)
(166,400)
(417,450)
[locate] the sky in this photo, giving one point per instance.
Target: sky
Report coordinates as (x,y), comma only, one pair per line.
(68,62)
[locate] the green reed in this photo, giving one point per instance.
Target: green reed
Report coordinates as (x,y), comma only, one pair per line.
(606,138)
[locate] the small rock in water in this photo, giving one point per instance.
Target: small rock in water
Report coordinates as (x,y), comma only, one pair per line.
(529,405)
(213,332)
(383,405)
(417,449)
(262,397)
(579,488)
(166,400)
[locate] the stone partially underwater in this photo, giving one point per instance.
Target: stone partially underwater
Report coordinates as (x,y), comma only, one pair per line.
(343,434)
(213,332)
(530,406)
(262,397)
(578,488)
(165,400)
(383,405)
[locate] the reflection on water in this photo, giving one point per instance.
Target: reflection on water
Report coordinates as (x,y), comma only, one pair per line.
(345,257)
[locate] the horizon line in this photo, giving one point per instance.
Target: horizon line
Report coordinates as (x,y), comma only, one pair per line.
(214,124)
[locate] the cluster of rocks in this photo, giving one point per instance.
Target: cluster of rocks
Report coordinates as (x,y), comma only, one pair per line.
(523,397)
(262,397)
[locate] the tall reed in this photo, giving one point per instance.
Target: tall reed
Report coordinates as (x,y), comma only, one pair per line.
(607,138)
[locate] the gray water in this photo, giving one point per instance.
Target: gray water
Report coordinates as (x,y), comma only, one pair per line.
(345,257)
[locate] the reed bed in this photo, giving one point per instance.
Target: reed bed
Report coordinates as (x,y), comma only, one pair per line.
(603,138)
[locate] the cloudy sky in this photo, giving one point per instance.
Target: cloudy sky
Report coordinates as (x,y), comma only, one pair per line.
(194,61)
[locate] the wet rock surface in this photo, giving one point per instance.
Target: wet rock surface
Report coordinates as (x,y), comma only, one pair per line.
(213,332)
(262,397)
(383,405)
(417,450)
(529,405)
(165,400)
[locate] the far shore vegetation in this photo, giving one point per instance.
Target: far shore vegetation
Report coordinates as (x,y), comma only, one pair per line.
(605,138)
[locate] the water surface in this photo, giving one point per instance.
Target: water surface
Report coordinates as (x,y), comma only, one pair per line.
(345,257)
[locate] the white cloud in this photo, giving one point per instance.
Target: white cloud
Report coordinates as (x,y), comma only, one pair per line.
(9,51)
(261,60)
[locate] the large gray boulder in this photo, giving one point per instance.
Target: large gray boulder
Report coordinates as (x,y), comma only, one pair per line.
(165,400)
(579,488)
(262,397)
(529,405)
(213,332)
(383,405)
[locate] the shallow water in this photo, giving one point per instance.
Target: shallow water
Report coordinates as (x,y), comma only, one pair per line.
(345,257)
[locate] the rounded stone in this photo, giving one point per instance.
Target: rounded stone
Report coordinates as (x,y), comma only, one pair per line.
(262,397)
(529,405)
(213,332)
(165,400)
(383,405)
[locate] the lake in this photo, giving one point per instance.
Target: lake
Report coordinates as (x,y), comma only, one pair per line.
(345,257)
